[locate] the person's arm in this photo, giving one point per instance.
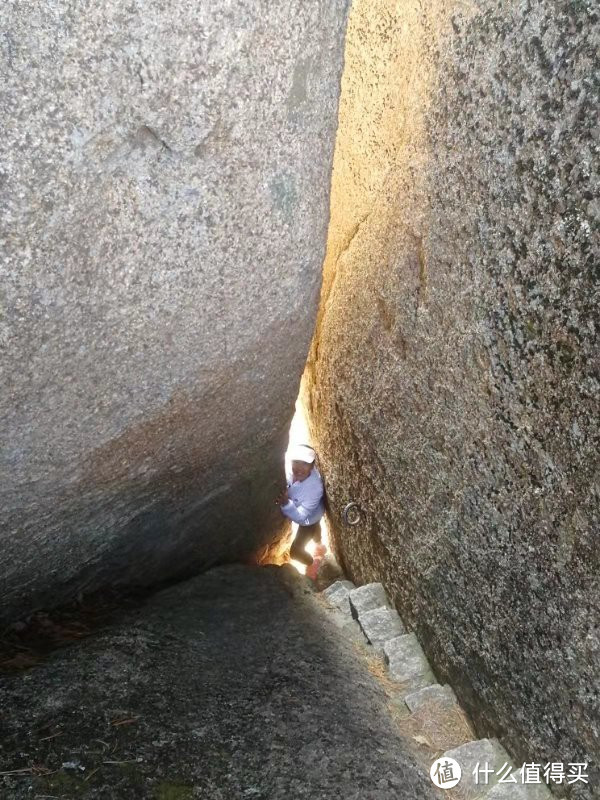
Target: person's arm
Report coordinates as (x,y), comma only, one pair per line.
(299,513)
(309,501)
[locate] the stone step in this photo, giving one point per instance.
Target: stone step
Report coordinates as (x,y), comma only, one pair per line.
(491,752)
(507,791)
(367,598)
(429,711)
(407,663)
(442,696)
(344,622)
(437,727)
(347,585)
(338,594)
(485,752)
(516,791)
(379,625)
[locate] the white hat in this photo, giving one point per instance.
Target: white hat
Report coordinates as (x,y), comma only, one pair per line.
(301,452)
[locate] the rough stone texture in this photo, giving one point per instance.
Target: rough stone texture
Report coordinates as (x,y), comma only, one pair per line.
(367,598)
(489,752)
(331,590)
(165,189)
(479,754)
(507,791)
(380,625)
(453,385)
(440,695)
(407,662)
(339,599)
(221,704)
(511,791)
(338,594)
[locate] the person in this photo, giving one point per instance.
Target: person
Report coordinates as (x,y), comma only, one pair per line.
(303,501)
(312,571)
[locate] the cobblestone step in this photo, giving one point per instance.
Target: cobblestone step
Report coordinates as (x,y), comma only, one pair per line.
(407,663)
(428,712)
(483,752)
(489,752)
(380,625)
(527,791)
(338,594)
(505,791)
(442,696)
(367,598)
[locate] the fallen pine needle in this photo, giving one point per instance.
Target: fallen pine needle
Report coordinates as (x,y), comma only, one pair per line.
(89,775)
(17,771)
(52,736)
(128,721)
(127,761)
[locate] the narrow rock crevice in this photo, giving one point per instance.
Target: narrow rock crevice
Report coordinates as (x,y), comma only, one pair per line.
(166,228)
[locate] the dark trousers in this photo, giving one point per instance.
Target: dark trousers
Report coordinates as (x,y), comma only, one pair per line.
(303,536)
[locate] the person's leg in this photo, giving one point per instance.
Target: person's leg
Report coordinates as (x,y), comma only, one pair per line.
(304,535)
(317,534)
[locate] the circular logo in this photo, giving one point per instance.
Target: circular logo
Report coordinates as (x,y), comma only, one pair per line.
(445,772)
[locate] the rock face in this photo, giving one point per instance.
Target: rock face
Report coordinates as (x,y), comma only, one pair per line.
(165,187)
(453,380)
(194,697)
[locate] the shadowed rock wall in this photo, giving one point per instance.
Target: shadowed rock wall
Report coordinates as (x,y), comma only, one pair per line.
(165,186)
(453,382)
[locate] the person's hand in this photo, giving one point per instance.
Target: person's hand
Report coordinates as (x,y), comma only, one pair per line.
(282,498)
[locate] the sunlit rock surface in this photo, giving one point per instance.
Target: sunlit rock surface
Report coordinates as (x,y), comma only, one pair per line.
(165,175)
(453,382)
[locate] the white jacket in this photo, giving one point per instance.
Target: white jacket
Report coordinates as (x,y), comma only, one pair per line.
(305,505)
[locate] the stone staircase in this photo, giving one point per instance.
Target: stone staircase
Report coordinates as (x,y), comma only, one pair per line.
(427,711)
